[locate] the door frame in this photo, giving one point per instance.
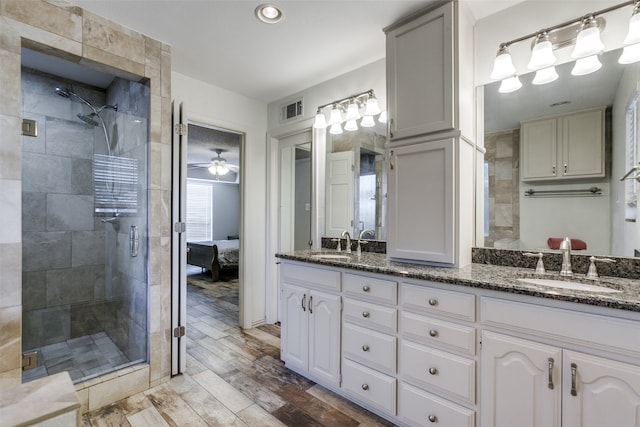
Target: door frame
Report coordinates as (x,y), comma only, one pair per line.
(178,278)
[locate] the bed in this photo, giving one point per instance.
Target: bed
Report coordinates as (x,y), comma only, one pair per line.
(215,255)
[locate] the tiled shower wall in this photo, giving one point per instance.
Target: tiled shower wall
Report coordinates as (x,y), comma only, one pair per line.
(61,29)
(503,157)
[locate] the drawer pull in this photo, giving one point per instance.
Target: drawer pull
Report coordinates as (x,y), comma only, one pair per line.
(365,314)
(433,419)
(433,371)
(433,333)
(365,348)
(550,384)
(433,301)
(574,374)
(365,387)
(366,288)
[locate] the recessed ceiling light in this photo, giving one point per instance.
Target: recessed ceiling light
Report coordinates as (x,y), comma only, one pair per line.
(269,13)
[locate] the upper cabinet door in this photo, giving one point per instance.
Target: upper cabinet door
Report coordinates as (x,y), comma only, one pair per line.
(583,144)
(420,80)
(539,149)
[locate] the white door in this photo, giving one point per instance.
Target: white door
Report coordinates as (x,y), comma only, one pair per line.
(179,240)
(539,149)
(339,193)
(599,392)
(324,337)
(294,332)
(521,384)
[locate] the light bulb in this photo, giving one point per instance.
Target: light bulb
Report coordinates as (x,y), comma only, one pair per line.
(372,108)
(367,122)
(502,65)
(588,42)
(351,125)
(336,116)
(586,65)
(335,129)
(542,54)
(633,36)
(510,84)
(545,75)
(383,117)
(630,54)
(320,122)
(352,111)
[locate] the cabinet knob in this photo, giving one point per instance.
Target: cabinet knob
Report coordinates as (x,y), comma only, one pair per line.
(365,387)
(365,314)
(433,371)
(432,419)
(365,348)
(433,301)
(366,288)
(433,333)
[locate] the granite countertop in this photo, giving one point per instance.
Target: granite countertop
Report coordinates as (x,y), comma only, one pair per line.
(483,276)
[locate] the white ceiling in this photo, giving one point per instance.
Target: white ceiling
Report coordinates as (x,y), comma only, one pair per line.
(222,43)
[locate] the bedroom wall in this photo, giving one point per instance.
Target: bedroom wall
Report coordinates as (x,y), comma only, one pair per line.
(226,210)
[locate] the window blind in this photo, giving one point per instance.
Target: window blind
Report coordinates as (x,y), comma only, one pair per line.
(199,211)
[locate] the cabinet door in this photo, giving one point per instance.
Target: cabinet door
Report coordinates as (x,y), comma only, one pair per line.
(294,330)
(516,380)
(583,144)
(607,393)
(539,149)
(420,75)
(324,337)
(420,203)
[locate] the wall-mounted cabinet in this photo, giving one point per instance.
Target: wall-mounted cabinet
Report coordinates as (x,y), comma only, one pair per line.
(564,147)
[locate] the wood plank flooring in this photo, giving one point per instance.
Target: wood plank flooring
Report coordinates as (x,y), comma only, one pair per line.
(233,377)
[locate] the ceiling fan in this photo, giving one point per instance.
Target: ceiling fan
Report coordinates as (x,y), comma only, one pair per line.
(218,166)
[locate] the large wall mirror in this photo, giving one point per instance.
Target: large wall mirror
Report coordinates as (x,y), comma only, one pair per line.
(606,222)
(355,183)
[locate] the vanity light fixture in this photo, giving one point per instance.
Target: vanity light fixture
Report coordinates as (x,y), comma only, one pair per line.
(586,50)
(351,106)
(269,14)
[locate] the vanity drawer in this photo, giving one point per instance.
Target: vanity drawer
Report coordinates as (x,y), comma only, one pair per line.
(438,332)
(310,276)
(416,406)
(371,289)
(369,347)
(369,385)
(428,367)
(432,300)
(372,316)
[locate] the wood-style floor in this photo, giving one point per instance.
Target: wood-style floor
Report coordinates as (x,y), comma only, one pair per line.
(233,378)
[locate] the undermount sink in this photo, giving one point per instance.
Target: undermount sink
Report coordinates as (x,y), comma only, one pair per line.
(331,256)
(568,285)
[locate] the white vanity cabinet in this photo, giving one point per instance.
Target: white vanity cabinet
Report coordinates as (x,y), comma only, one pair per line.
(564,147)
(310,318)
(543,382)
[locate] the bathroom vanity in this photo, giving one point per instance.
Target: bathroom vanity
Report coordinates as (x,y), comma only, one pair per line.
(473,346)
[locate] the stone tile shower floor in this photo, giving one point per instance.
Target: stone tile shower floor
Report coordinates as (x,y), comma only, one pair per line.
(84,357)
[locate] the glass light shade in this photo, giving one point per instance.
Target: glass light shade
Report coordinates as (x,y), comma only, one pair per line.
(320,122)
(633,36)
(372,108)
(545,75)
(383,117)
(630,54)
(588,42)
(510,84)
(351,125)
(586,65)
(336,116)
(542,55)
(218,170)
(335,129)
(503,65)
(352,112)
(367,122)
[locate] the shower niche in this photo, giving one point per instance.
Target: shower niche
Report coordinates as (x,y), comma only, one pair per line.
(84,219)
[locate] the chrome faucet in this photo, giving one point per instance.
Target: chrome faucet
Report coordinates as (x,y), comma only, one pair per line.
(346,234)
(360,242)
(565,248)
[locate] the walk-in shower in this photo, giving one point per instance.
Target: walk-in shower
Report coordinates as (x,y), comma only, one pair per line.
(84,225)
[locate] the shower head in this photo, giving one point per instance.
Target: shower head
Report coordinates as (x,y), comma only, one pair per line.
(63,92)
(87,118)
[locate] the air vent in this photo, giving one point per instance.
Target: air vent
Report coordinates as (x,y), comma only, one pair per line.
(291,111)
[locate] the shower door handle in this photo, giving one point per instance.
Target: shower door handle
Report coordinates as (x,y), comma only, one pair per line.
(134,240)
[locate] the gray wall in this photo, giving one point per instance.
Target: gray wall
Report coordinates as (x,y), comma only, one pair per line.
(226,210)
